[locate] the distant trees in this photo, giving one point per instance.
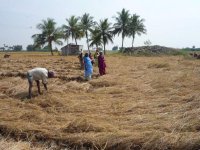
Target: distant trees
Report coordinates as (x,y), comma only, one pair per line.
(97,34)
(30,47)
(11,48)
(115,48)
(49,34)
(2,48)
(17,47)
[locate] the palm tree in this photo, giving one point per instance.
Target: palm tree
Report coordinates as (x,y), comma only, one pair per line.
(86,24)
(95,38)
(66,34)
(49,34)
(105,32)
(121,25)
(73,28)
(136,26)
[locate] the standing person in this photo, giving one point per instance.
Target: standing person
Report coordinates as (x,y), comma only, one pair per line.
(37,74)
(101,64)
(96,55)
(92,60)
(88,67)
(80,57)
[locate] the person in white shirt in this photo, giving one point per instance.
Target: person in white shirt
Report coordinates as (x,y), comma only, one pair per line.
(38,74)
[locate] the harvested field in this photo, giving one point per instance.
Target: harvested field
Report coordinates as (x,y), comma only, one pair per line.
(142,103)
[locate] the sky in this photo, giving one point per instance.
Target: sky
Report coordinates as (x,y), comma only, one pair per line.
(171,23)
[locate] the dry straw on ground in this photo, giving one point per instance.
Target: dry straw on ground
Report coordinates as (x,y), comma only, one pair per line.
(142,103)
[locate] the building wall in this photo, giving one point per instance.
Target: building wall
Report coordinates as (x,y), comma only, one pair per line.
(71,49)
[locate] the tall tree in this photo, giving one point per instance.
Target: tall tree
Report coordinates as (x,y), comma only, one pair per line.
(95,38)
(49,34)
(121,25)
(73,28)
(105,32)
(136,26)
(86,24)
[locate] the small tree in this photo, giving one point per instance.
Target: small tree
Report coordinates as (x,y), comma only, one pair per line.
(147,43)
(17,47)
(193,47)
(115,48)
(30,47)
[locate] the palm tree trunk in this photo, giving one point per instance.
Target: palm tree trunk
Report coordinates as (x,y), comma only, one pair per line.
(133,37)
(67,41)
(87,41)
(122,42)
(104,45)
(50,47)
(75,41)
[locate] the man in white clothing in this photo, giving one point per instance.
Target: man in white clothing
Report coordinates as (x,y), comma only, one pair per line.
(37,74)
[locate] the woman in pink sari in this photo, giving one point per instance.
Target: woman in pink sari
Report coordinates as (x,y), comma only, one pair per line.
(101,64)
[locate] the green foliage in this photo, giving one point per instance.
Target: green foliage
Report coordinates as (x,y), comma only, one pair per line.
(136,26)
(49,34)
(115,48)
(73,29)
(105,32)
(121,25)
(87,24)
(95,38)
(30,47)
(17,47)
(180,52)
(191,49)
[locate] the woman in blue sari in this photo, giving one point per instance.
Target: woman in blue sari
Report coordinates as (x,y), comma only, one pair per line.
(88,67)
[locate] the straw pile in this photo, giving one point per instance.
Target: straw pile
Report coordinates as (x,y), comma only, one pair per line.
(142,103)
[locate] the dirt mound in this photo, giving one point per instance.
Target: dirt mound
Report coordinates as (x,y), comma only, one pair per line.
(156,49)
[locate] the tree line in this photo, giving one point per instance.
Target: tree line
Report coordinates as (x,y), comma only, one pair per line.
(11,48)
(96,33)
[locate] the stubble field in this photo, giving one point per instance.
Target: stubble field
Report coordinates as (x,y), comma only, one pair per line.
(142,103)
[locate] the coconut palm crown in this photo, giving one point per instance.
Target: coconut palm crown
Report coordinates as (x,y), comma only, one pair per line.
(136,26)
(121,25)
(87,24)
(49,34)
(105,32)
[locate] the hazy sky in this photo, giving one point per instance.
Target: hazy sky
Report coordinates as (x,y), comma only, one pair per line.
(172,23)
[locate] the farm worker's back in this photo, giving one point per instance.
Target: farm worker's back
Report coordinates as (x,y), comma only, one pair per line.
(38,74)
